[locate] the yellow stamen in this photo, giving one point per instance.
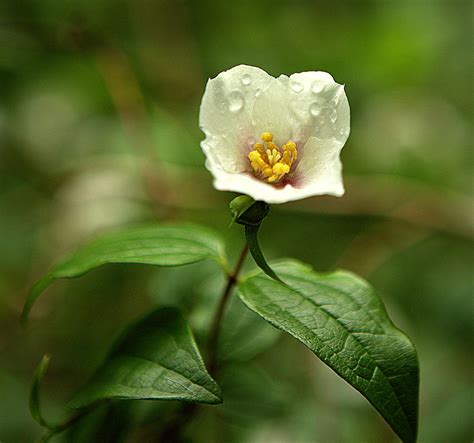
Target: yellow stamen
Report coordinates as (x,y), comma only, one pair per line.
(269,162)
(280,169)
(259,148)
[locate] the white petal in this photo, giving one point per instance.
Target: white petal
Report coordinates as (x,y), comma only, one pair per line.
(272,112)
(303,105)
(320,169)
(246,183)
(321,107)
(225,116)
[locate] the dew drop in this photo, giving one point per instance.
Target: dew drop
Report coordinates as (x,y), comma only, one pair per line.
(296,86)
(337,97)
(246,80)
(315,109)
(317,86)
(258,92)
(333,117)
(236,101)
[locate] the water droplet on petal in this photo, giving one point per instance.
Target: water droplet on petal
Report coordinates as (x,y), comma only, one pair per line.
(333,116)
(236,101)
(212,140)
(296,86)
(246,80)
(258,92)
(315,109)
(342,132)
(317,86)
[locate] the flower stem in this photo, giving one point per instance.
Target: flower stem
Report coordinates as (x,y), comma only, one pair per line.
(173,430)
(217,320)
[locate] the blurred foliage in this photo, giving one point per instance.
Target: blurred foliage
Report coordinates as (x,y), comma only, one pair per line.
(98,128)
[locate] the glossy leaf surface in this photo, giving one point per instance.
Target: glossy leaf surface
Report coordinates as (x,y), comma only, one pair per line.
(157,358)
(162,245)
(340,318)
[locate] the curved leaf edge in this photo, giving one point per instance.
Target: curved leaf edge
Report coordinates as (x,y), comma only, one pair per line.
(75,403)
(308,268)
(54,274)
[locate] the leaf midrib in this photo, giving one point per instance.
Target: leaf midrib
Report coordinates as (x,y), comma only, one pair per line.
(350,334)
(141,358)
(105,242)
(171,370)
(347,295)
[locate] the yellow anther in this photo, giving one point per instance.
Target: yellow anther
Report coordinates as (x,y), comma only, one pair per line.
(269,162)
(267,171)
(272,146)
(269,155)
(254,155)
(286,157)
(289,145)
(259,148)
(273,179)
(280,168)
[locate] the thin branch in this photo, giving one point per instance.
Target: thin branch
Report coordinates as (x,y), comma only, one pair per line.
(173,430)
(217,320)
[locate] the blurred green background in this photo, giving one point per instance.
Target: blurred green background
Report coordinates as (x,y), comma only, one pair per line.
(98,128)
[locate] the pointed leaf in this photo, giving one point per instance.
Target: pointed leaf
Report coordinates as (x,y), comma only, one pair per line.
(157,358)
(34,403)
(339,317)
(163,245)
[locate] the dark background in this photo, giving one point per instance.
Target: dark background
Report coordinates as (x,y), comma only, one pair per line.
(99,106)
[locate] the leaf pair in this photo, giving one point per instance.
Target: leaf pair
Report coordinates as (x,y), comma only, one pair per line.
(337,316)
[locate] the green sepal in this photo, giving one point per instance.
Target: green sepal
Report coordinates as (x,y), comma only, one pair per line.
(251,234)
(246,211)
(250,213)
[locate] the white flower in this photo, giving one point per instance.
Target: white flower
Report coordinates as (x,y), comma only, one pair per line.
(274,139)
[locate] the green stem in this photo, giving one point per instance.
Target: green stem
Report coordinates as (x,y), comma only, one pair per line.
(66,424)
(217,320)
(173,430)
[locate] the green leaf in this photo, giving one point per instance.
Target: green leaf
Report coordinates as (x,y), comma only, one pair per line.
(109,422)
(243,334)
(157,358)
(163,245)
(35,408)
(339,317)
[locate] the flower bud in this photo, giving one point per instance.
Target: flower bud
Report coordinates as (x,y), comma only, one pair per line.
(246,211)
